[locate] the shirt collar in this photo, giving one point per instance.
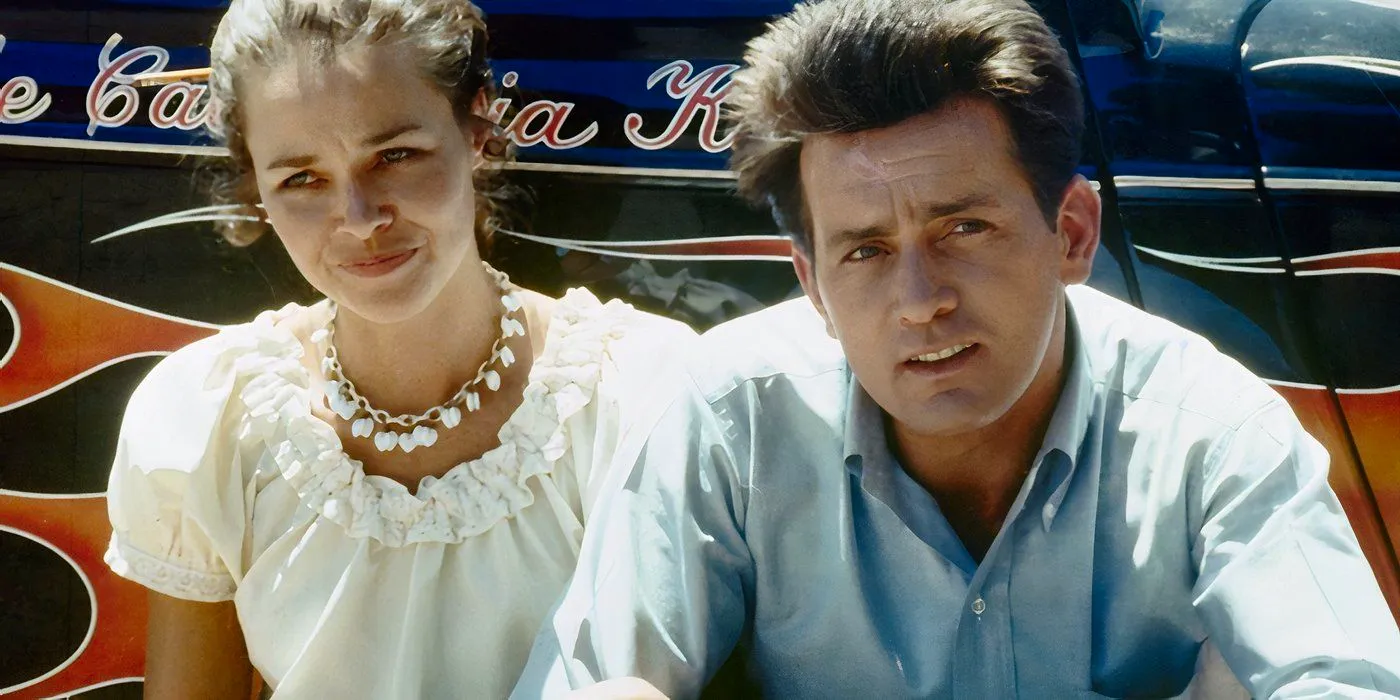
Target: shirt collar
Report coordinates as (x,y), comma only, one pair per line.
(1069,424)
(865,424)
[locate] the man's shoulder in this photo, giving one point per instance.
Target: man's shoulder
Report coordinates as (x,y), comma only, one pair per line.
(1148,358)
(788,339)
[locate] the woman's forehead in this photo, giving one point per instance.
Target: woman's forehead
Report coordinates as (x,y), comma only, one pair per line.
(362,88)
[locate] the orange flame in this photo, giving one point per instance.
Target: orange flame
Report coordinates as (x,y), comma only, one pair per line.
(63,334)
(79,527)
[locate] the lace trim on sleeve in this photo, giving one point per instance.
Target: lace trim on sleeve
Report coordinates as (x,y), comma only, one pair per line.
(164,577)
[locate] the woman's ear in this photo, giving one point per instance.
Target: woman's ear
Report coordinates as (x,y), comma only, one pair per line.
(488,138)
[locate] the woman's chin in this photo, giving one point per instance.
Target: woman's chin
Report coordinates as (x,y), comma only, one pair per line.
(387,305)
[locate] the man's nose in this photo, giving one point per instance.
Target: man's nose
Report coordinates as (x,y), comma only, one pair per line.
(922,293)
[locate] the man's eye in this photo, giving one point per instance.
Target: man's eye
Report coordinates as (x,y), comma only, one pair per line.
(864,252)
(970,227)
(397,155)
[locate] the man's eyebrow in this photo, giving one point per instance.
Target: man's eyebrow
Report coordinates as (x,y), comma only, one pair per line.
(938,210)
(853,236)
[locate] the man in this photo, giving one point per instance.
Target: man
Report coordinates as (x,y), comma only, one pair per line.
(951,470)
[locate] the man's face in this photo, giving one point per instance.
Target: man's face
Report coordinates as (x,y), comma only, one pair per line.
(935,268)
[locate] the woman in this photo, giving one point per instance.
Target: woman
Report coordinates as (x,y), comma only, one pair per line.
(380,495)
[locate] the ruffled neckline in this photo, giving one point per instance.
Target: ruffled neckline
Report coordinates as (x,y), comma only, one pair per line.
(472,496)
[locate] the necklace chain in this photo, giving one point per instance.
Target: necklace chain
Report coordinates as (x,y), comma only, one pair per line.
(346,400)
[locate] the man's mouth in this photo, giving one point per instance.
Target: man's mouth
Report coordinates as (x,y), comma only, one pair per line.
(941,354)
(939,364)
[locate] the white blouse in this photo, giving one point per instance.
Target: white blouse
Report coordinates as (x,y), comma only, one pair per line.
(347,585)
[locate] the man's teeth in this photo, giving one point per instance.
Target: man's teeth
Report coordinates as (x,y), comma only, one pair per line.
(941,354)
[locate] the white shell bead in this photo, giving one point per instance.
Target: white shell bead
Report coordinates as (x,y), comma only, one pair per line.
(424,436)
(342,397)
(343,407)
(385,441)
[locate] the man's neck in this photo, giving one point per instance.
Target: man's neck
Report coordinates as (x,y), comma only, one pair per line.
(976,476)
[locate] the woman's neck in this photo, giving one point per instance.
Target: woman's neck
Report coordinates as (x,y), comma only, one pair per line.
(421,362)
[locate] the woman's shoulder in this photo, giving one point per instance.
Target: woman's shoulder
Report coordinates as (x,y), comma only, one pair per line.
(177,452)
(192,386)
(625,327)
(612,348)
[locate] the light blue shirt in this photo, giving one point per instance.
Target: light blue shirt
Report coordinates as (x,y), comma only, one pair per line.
(1175,536)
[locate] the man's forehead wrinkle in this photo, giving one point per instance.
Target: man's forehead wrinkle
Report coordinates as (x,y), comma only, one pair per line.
(884,162)
(903,171)
(862,164)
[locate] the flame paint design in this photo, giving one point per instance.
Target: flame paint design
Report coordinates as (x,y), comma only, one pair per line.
(1320,417)
(1372,261)
(63,334)
(115,646)
(1374,419)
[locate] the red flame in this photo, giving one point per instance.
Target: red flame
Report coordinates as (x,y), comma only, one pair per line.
(64,333)
(79,527)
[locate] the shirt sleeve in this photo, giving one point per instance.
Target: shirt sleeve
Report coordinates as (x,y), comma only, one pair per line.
(176,492)
(1283,587)
(662,587)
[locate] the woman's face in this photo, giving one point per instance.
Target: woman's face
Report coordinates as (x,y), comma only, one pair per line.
(366,175)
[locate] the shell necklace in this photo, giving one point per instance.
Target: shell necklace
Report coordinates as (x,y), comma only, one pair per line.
(409,432)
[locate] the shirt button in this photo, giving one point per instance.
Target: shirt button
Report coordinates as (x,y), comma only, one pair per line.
(979,606)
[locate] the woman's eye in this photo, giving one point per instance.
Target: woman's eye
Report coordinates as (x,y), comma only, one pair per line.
(301,179)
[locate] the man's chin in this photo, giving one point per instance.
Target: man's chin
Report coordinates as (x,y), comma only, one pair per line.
(943,416)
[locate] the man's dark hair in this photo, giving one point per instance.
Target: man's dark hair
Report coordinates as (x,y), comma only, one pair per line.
(842,66)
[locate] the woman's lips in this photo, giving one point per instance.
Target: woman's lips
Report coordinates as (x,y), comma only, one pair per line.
(380,265)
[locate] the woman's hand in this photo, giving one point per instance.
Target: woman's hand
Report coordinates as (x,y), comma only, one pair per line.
(618,689)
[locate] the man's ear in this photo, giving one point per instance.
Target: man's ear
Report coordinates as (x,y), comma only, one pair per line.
(1077,226)
(807,277)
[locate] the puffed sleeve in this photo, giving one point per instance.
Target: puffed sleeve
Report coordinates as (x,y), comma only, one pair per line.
(644,372)
(177,492)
